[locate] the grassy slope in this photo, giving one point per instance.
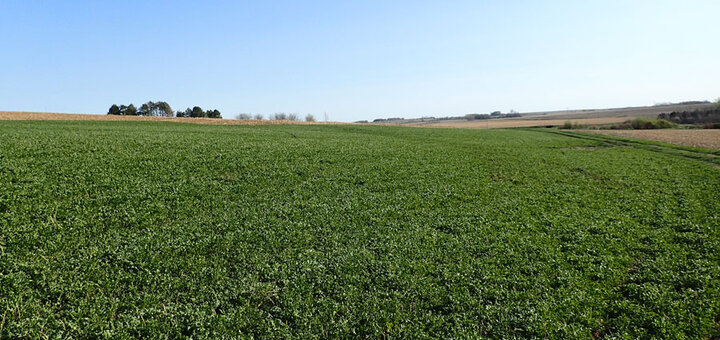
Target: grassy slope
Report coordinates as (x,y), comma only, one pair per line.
(130,229)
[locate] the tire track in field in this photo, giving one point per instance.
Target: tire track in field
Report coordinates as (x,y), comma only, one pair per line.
(708,156)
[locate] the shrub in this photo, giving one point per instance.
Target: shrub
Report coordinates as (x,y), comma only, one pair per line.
(644,124)
(570,125)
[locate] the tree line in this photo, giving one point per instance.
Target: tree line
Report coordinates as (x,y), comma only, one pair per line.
(161,109)
(708,117)
(471,116)
(493,115)
(278,116)
(704,116)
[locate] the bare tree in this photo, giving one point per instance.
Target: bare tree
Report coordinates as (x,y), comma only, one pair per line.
(292,116)
(152,108)
(243,116)
(309,118)
(259,116)
(163,109)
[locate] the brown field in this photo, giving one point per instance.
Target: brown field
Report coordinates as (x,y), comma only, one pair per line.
(7,115)
(627,112)
(556,118)
(708,138)
(517,122)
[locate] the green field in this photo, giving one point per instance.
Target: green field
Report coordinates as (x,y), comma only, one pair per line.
(142,229)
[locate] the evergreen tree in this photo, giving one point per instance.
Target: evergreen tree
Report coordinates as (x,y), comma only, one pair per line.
(197,112)
(131,110)
(114,110)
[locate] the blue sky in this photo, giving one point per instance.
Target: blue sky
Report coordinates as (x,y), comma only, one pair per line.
(357,59)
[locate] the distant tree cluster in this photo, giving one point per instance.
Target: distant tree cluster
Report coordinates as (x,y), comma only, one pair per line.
(710,115)
(160,109)
(694,102)
(198,112)
(493,115)
(276,116)
(689,102)
(471,116)
(284,116)
(385,120)
(123,110)
(157,109)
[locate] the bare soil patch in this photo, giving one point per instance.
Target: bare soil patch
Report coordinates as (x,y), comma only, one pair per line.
(9,115)
(702,138)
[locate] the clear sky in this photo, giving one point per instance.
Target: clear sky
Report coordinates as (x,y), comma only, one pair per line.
(357,59)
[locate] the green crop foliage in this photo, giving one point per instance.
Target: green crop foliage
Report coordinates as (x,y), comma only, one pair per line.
(139,229)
